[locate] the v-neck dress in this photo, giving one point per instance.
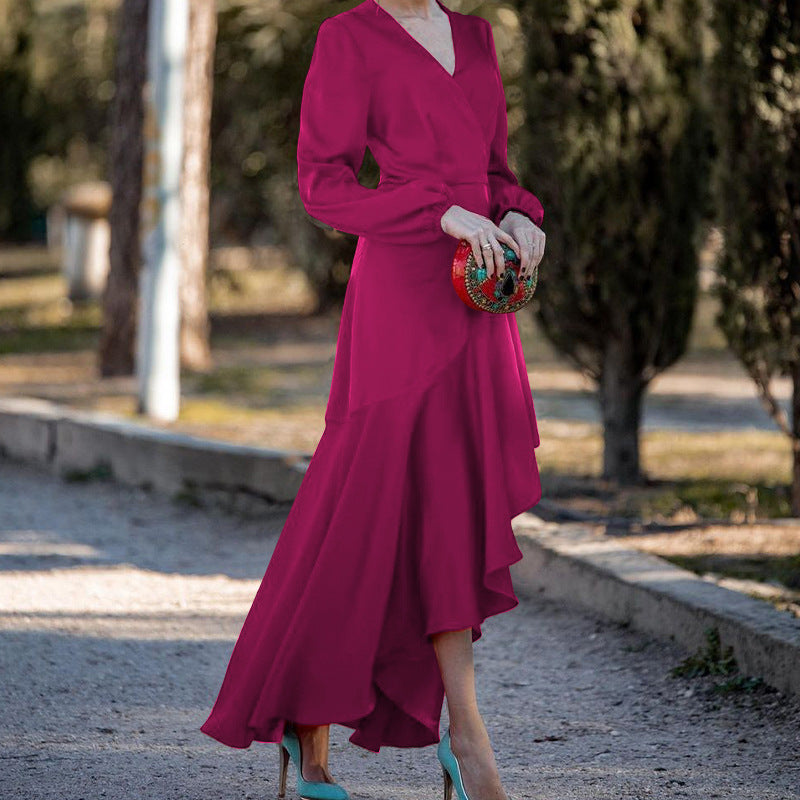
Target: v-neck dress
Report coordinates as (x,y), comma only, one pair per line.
(401,527)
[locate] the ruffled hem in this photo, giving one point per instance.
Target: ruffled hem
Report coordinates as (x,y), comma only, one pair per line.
(401,529)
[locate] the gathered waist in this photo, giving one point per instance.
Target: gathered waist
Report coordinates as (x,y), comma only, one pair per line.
(435,179)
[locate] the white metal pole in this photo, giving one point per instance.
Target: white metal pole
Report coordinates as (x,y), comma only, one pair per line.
(158,347)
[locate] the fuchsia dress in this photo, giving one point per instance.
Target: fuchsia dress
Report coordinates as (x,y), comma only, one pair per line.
(402,524)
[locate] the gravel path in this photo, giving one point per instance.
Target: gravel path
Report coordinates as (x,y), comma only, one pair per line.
(119,609)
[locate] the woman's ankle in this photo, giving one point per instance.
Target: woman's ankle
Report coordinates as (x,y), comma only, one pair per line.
(314,741)
(468,729)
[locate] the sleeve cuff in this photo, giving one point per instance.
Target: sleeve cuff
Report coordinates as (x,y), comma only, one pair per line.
(524,202)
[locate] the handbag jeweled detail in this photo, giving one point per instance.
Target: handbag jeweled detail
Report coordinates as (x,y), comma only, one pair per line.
(502,293)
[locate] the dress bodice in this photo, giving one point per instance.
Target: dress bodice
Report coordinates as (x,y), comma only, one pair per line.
(371,84)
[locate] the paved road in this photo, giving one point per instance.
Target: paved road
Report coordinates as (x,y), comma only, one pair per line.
(119,609)
(665,411)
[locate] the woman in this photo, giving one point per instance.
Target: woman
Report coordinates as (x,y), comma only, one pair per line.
(399,542)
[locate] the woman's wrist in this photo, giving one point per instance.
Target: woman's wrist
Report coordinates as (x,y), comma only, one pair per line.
(511,212)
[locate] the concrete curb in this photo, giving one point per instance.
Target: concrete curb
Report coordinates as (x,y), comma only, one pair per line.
(71,441)
(570,563)
(562,561)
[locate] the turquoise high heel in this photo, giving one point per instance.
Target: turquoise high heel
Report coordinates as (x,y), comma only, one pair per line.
(289,746)
(451,772)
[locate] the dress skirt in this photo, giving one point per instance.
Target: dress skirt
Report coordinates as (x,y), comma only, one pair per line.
(401,527)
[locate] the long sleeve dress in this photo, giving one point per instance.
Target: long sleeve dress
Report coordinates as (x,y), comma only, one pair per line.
(401,527)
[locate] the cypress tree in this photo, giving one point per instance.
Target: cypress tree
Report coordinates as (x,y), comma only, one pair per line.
(617,145)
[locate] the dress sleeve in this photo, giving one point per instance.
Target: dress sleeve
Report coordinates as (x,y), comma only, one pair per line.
(505,192)
(331,145)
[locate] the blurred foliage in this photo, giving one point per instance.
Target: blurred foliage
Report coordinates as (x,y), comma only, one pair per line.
(263,49)
(262,55)
(755,78)
(21,119)
(72,59)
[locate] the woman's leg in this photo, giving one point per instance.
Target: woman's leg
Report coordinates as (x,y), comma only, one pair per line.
(469,738)
(314,746)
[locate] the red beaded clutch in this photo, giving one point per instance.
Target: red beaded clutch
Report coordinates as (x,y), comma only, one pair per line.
(502,293)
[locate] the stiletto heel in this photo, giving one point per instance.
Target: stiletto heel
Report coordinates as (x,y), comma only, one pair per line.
(284,768)
(308,790)
(448,784)
(451,771)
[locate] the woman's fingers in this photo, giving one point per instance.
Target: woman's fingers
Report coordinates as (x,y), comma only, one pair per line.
(533,251)
(477,252)
(495,258)
(484,256)
(527,256)
(491,257)
(506,237)
(538,249)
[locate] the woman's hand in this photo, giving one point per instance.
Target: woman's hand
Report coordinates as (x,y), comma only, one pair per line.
(480,231)
(530,238)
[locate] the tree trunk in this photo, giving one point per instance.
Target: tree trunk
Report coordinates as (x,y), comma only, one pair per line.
(796,439)
(120,295)
(194,336)
(621,393)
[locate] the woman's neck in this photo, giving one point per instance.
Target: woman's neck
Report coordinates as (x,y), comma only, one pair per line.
(408,8)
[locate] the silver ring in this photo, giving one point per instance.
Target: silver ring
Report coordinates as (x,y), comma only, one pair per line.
(484,246)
